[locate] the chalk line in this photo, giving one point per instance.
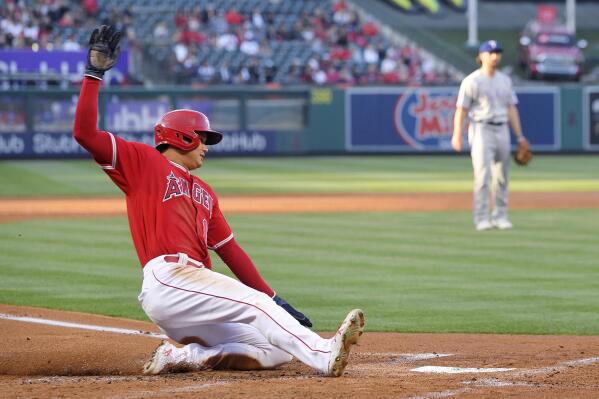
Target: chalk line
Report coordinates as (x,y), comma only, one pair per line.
(79,326)
(497,383)
(459,370)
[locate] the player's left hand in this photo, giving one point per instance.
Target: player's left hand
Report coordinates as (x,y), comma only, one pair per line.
(299,316)
(103,52)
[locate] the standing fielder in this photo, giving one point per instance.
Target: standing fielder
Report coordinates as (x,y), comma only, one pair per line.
(489,99)
(174,219)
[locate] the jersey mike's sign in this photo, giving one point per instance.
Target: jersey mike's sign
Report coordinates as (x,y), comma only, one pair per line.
(400,119)
(421,119)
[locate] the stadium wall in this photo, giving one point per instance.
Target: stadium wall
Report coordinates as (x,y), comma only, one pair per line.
(38,123)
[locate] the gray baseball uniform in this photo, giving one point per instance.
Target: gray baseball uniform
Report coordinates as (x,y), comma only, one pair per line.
(488,99)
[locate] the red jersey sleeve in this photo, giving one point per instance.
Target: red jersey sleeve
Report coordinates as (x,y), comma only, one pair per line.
(219,232)
(120,159)
(241,264)
(127,162)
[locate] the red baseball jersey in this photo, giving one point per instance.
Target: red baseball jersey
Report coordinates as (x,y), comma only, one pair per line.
(169,209)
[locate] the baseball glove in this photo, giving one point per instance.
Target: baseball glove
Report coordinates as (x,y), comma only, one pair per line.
(523,155)
(103,52)
(299,316)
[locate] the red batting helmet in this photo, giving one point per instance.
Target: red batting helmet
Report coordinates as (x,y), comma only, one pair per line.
(180,129)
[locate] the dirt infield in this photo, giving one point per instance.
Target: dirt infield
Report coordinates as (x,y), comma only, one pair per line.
(14,209)
(42,361)
(47,361)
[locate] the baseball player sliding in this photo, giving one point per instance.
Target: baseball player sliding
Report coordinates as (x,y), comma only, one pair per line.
(174,219)
(489,99)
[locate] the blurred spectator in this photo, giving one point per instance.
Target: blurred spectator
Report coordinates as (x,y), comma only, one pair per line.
(318,76)
(371,76)
(249,45)
(218,23)
(233,17)
(257,19)
(90,7)
(227,41)
(339,5)
(332,75)
(70,44)
(294,75)
(189,36)
(224,73)
(180,19)
(31,33)
(270,71)
(206,73)
(370,29)
(389,63)
(371,55)
(181,52)
(161,33)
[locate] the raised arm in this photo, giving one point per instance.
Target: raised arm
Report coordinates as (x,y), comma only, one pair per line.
(102,55)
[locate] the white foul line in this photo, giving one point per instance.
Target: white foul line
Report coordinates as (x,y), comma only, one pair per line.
(82,326)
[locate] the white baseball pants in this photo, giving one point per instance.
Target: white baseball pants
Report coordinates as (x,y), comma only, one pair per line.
(490,151)
(224,323)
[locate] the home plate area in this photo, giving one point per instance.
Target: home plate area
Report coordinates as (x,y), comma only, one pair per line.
(50,353)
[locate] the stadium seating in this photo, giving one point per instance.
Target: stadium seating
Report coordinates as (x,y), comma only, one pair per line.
(317,42)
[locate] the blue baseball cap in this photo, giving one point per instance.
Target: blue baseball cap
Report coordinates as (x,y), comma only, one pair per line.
(491,46)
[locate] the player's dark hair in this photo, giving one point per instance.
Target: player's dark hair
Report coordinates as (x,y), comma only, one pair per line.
(162,148)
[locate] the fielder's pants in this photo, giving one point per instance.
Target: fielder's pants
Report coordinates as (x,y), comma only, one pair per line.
(221,318)
(490,151)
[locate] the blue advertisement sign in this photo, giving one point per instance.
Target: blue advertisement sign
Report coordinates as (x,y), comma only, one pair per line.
(62,145)
(135,114)
(129,117)
(591,118)
(421,119)
(68,63)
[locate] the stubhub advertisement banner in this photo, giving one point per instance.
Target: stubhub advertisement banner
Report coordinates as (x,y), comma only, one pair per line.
(62,145)
(132,119)
(421,119)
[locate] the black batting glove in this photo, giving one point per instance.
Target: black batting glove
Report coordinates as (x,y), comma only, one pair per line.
(103,52)
(299,316)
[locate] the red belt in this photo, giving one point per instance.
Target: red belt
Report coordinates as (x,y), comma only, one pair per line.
(190,262)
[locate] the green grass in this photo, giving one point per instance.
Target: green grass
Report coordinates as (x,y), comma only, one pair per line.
(376,174)
(410,272)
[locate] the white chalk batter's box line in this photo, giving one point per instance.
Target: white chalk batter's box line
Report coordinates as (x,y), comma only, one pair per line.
(79,326)
(498,383)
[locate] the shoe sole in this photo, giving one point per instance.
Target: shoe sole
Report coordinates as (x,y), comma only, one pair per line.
(150,365)
(351,335)
(503,227)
